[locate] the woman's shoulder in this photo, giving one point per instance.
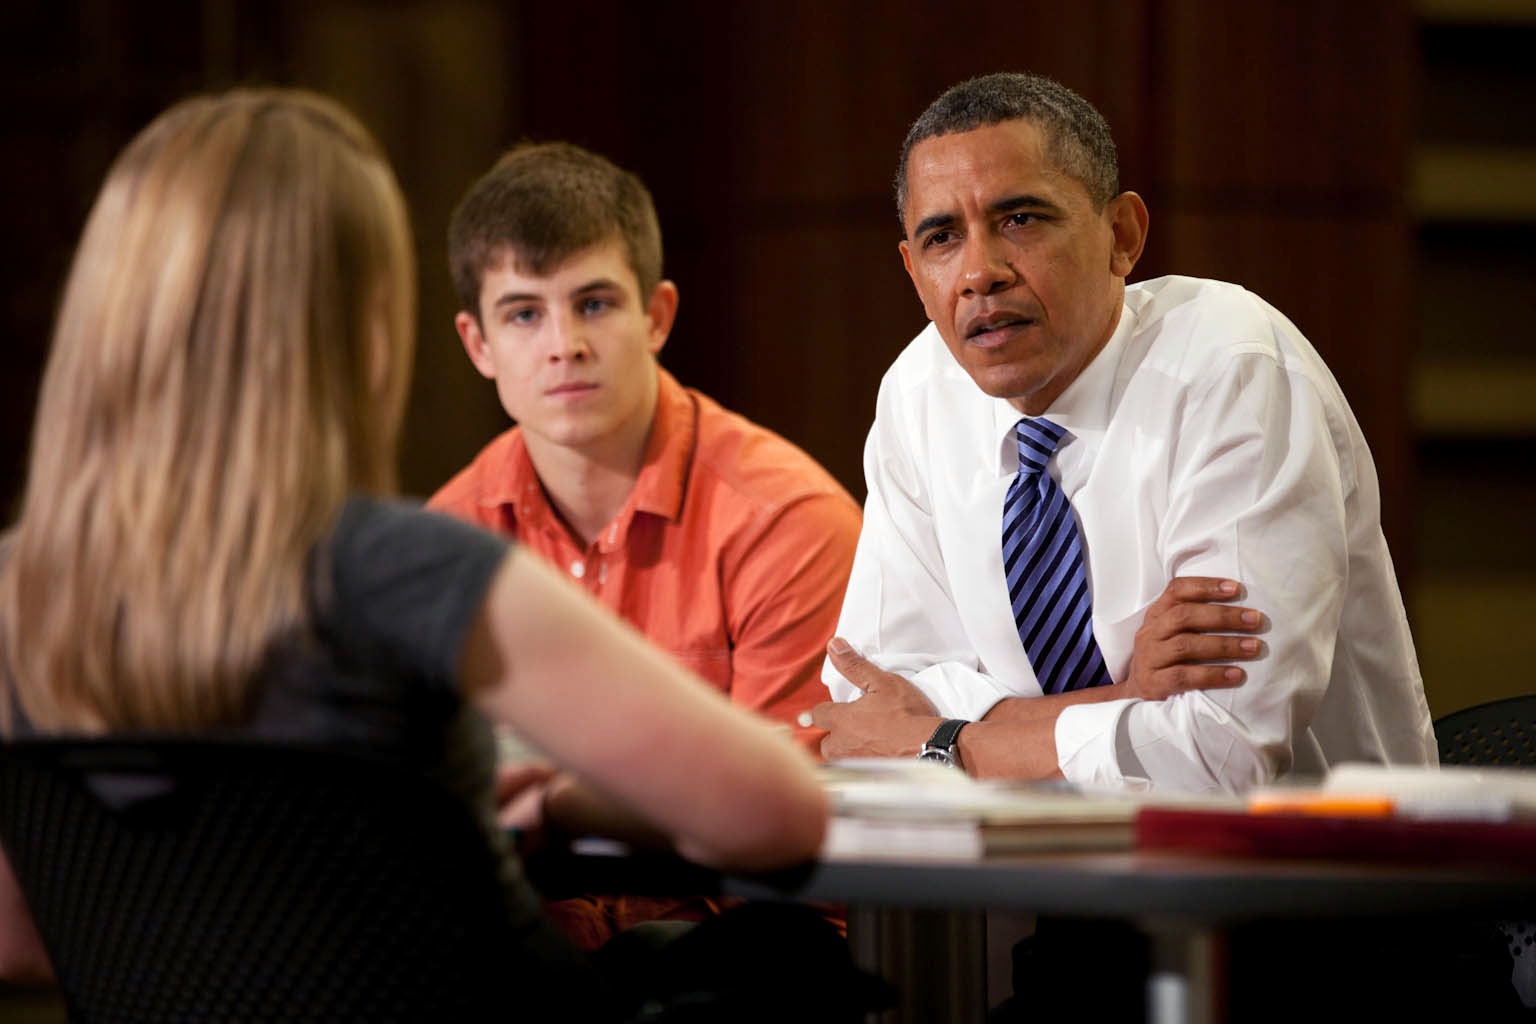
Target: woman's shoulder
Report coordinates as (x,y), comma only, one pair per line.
(397,582)
(400,537)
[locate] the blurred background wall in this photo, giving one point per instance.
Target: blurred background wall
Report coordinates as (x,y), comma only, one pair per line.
(1367,166)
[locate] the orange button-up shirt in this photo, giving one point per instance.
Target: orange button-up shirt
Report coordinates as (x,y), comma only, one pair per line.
(731,553)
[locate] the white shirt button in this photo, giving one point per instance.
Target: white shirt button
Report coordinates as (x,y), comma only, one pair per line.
(578,569)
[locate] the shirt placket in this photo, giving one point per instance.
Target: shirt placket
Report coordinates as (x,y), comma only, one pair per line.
(604,552)
(588,568)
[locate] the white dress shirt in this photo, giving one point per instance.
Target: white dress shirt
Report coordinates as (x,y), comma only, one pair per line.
(1206,439)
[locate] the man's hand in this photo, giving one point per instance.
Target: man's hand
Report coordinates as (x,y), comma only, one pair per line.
(891,719)
(1177,642)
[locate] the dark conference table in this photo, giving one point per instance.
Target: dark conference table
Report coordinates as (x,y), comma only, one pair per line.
(921,923)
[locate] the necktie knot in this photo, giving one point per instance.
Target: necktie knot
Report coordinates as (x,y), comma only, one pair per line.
(1037,441)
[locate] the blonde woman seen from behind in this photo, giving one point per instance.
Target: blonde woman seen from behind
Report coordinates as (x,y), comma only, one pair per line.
(205,542)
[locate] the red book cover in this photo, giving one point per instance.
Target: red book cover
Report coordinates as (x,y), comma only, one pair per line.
(1401,840)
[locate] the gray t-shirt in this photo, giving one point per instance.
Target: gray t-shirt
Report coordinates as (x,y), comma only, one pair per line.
(393,590)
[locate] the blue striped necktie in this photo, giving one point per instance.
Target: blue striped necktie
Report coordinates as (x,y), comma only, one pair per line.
(1043,561)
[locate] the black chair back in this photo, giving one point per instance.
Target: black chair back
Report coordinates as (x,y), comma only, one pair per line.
(1500,732)
(193,881)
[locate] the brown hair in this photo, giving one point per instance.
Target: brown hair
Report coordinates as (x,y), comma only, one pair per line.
(231,357)
(544,203)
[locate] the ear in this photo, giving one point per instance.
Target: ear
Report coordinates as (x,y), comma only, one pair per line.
(1128,224)
(662,311)
(475,346)
(906,261)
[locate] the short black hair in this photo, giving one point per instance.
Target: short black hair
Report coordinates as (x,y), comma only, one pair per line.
(543,203)
(1077,137)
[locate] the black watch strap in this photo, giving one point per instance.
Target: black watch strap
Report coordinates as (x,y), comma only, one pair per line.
(947,733)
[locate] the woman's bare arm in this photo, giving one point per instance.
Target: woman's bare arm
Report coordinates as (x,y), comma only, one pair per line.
(588,690)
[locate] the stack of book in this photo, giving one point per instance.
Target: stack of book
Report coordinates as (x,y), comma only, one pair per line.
(1452,815)
(905,808)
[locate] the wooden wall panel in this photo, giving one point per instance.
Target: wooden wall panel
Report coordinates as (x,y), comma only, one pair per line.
(1303,95)
(1268,139)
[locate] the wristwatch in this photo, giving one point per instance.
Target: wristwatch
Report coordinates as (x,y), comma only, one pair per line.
(941,745)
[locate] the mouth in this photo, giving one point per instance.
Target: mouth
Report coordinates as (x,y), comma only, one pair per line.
(997,328)
(570,389)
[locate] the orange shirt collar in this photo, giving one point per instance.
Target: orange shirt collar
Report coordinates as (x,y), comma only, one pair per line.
(509,482)
(668,451)
(658,489)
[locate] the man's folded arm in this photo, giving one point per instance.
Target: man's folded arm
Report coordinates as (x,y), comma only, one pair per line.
(1016,738)
(1258,494)
(899,611)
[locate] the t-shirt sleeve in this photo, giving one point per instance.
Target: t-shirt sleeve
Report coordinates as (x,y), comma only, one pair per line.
(396,588)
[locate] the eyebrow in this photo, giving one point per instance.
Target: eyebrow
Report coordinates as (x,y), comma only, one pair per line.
(937,220)
(1008,205)
(601,284)
(598,285)
(1025,202)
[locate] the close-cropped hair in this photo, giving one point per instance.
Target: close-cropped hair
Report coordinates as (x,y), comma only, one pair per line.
(1077,138)
(543,203)
(230,359)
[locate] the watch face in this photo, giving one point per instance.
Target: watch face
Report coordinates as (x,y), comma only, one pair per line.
(938,754)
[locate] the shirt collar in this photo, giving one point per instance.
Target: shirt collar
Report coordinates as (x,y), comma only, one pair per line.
(512,481)
(668,451)
(1083,408)
(513,484)
(1086,403)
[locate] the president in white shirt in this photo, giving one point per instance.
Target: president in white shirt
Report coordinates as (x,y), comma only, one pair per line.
(1200,435)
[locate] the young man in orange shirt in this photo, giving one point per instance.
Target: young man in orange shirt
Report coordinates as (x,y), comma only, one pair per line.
(723,543)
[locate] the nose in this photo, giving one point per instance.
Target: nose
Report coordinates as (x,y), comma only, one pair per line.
(568,340)
(984,266)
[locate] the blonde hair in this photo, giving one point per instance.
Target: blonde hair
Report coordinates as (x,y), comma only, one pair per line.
(231,358)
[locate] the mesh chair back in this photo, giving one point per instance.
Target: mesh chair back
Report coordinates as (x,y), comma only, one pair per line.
(187,881)
(1500,732)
